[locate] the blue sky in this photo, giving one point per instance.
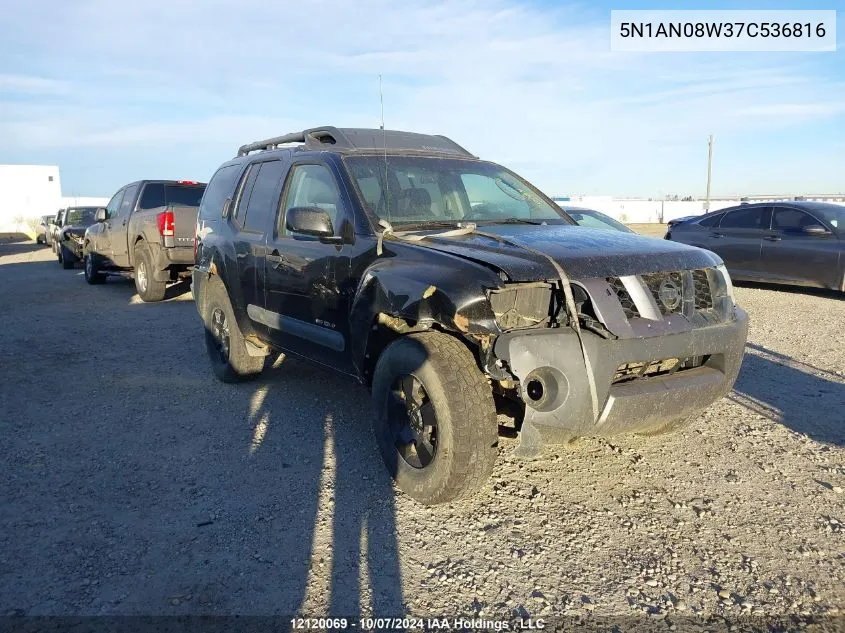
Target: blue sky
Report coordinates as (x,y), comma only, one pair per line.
(113,92)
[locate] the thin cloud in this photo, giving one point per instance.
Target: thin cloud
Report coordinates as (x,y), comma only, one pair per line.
(523,84)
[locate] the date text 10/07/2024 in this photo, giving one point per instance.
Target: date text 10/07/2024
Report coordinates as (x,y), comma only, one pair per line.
(445,624)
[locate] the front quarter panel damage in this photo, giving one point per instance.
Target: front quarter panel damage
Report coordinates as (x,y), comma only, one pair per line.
(423,295)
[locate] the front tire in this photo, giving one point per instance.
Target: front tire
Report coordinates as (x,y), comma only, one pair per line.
(435,419)
(92,270)
(224,341)
(66,258)
(148,288)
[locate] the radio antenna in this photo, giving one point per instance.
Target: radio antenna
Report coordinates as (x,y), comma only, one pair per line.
(384,146)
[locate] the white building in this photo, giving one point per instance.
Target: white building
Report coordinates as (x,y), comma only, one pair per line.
(27,191)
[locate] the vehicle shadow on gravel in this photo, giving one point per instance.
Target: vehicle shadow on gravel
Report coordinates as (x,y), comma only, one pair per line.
(9,247)
(338,546)
(804,398)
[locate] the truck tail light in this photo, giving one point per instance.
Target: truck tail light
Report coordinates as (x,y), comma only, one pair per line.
(166,224)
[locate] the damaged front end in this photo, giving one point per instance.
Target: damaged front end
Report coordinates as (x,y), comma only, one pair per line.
(660,347)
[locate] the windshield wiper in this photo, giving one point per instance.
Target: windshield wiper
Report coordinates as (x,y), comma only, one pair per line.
(426,224)
(515,221)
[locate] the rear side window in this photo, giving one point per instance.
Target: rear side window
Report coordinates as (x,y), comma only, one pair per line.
(245,191)
(221,187)
(264,198)
(744,219)
(713,220)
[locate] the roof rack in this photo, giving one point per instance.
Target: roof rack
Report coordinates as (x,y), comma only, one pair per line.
(360,138)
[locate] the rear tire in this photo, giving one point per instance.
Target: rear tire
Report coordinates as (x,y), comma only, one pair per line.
(92,270)
(443,445)
(224,341)
(66,258)
(148,288)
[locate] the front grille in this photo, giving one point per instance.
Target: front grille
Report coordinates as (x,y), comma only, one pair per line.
(667,288)
(624,298)
(701,284)
(670,292)
(666,367)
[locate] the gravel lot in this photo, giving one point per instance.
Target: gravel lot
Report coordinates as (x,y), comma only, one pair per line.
(134,483)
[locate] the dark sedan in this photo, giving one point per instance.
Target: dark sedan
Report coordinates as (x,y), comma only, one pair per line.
(594,219)
(800,243)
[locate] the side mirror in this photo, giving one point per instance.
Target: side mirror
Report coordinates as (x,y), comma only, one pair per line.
(815,229)
(227,207)
(101,215)
(311,221)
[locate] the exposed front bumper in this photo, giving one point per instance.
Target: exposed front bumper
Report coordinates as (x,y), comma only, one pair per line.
(565,410)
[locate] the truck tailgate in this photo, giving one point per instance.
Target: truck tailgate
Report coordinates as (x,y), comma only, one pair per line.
(185,222)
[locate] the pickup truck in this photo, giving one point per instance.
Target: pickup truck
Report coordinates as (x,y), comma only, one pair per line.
(52,227)
(69,232)
(146,231)
(454,289)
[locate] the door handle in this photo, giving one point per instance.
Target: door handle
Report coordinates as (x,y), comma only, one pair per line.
(717,235)
(773,238)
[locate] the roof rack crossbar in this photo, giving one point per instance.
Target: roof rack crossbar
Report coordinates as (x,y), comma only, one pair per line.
(270,143)
(358,138)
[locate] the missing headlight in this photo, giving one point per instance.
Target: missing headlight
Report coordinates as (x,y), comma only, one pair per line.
(523,305)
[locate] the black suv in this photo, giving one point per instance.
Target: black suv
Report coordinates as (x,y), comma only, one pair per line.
(453,288)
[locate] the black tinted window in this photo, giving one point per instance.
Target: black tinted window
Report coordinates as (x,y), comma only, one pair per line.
(712,220)
(785,219)
(183,195)
(127,202)
(264,198)
(220,188)
(744,219)
(245,191)
(153,196)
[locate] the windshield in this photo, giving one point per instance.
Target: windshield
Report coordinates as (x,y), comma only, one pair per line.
(833,214)
(419,190)
(80,217)
(596,220)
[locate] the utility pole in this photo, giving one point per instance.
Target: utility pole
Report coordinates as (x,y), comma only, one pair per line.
(709,171)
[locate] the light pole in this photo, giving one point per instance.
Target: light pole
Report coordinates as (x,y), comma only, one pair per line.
(709,171)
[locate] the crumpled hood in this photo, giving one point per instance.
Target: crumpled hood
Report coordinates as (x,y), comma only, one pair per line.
(582,252)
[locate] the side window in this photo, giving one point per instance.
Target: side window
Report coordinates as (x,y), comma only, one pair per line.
(311,186)
(114,204)
(244,191)
(126,203)
(263,200)
(744,219)
(786,219)
(152,197)
(221,186)
(712,220)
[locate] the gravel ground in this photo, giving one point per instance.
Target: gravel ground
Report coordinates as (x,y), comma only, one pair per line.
(134,483)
